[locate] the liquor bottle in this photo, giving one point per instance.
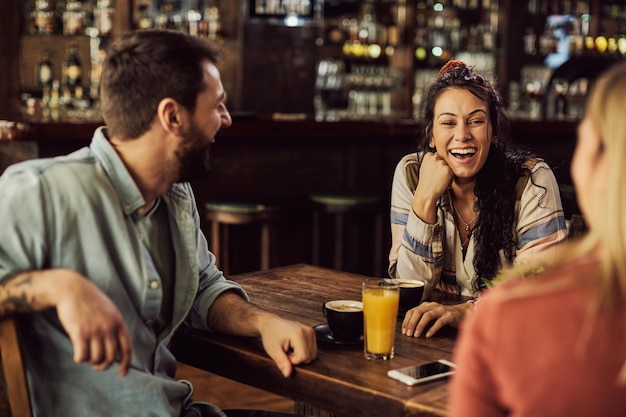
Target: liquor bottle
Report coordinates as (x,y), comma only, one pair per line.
(42,18)
(55,95)
(97,59)
(334,32)
(73,18)
(213,25)
(44,71)
(72,67)
(103,17)
(162,18)
(79,101)
(144,20)
(421,40)
(192,25)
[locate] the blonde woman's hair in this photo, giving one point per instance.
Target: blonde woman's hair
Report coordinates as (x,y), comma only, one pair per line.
(605,110)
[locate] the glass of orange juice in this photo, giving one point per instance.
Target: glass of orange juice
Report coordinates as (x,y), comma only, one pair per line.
(380,311)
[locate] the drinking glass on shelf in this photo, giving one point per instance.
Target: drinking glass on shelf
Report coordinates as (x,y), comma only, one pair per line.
(560,88)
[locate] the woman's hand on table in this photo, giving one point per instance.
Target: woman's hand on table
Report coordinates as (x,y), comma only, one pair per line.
(430,317)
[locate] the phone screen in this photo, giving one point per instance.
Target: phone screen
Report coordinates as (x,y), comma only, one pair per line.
(427,369)
(418,374)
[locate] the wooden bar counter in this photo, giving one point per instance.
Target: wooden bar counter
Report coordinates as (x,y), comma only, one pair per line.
(358,149)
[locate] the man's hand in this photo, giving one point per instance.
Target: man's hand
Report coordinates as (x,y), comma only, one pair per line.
(94,324)
(288,342)
(419,318)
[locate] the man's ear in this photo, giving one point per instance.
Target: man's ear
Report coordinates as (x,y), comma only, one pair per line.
(169,115)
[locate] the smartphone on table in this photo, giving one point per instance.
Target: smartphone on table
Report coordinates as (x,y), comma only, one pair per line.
(418,374)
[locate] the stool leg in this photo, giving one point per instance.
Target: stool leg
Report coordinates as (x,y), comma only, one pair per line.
(225,251)
(316,237)
(215,242)
(265,246)
(378,245)
(338,256)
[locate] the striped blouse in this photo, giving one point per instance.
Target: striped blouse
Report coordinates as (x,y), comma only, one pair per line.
(433,252)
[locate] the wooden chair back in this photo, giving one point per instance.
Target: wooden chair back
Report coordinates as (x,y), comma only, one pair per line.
(14,397)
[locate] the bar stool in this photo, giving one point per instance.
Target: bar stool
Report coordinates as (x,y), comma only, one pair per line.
(338,206)
(223,214)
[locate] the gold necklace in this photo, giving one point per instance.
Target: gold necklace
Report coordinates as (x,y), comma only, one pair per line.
(468,226)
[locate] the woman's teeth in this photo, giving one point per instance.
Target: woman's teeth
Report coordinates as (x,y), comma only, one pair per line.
(463,152)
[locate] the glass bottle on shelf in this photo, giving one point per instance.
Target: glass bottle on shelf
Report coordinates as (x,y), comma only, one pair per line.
(72,68)
(73,18)
(548,42)
(212,20)
(55,95)
(103,17)
(421,42)
(144,19)
(79,101)
(42,18)
(162,18)
(530,42)
(192,23)
(44,70)
(97,59)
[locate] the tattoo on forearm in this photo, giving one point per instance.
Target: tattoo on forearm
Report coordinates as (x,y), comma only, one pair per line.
(14,299)
(16,304)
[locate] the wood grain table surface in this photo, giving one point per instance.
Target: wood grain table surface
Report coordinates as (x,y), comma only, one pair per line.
(340,381)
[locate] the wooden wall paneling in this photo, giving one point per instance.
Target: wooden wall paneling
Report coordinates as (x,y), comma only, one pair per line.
(279,69)
(10,30)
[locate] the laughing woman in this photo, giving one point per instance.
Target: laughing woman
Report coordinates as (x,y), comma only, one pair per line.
(466,204)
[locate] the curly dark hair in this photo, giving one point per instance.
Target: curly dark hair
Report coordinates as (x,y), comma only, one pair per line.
(496,182)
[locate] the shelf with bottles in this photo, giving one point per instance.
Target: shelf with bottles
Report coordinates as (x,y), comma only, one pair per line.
(362,31)
(63,76)
(61,50)
(291,13)
(466,30)
(556,30)
(460,29)
(49,58)
(198,18)
(564,45)
(357,91)
(363,60)
(68,17)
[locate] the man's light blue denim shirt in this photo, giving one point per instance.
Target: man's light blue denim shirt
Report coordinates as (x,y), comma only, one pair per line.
(79,212)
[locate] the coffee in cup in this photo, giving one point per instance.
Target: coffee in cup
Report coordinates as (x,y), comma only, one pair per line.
(345,319)
(411,293)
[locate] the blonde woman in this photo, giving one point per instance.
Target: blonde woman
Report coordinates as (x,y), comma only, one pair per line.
(555,345)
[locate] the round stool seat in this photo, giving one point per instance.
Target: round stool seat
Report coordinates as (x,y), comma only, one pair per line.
(340,207)
(344,202)
(222,214)
(228,212)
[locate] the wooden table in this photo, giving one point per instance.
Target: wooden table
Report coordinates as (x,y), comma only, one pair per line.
(340,381)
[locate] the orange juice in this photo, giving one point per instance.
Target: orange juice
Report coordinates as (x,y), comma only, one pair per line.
(380,310)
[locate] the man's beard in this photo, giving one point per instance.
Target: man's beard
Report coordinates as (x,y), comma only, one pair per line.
(193,155)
